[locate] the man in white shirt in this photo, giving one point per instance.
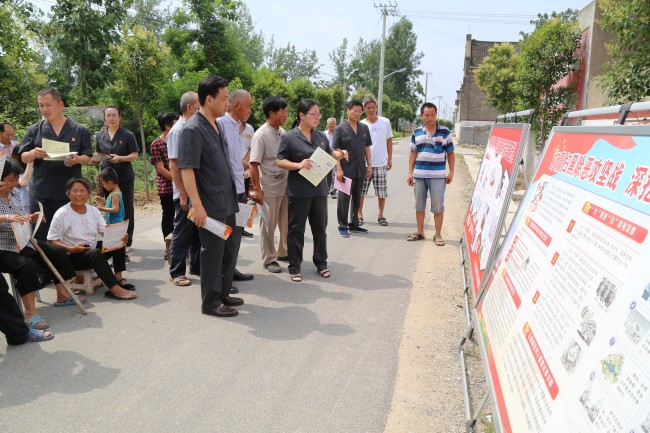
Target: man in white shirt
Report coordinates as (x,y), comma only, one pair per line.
(329,133)
(382,157)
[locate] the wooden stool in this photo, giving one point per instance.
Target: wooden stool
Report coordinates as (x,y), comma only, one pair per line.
(86,281)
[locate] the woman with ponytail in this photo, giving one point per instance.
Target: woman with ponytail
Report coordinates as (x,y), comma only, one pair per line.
(306,201)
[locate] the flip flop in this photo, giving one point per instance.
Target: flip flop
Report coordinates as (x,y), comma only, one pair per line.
(37,335)
(438,240)
(68,302)
(127,286)
(35,320)
(118,298)
(382,221)
(325,273)
(180,281)
(415,237)
(296,278)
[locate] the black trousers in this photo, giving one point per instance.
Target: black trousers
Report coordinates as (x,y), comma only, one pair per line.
(128,195)
(49,209)
(218,259)
(12,323)
(185,238)
(167,221)
(98,261)
(343,205)
(313,209)
(26,265)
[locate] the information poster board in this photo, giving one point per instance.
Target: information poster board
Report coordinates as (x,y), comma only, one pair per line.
(492,192)
(564,319)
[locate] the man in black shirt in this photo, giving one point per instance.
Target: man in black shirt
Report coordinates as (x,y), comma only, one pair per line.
(50,176)
(205,168)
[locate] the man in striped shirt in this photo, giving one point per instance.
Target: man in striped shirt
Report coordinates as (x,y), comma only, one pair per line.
(431,148)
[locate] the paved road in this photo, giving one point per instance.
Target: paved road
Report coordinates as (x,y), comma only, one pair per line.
(319,356)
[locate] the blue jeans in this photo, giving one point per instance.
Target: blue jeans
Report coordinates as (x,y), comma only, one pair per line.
(185,238)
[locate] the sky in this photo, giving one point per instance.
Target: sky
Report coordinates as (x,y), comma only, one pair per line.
(441,28)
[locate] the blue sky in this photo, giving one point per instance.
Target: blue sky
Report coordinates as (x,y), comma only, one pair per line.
(322,25)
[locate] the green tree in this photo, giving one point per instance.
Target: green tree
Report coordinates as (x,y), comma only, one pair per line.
(140,68)
(20,76)
(291,64)
(83,31)
(546,56)
(266,83)
(626,77)
(497,77)
(401,52)
(365,65)
(251,42)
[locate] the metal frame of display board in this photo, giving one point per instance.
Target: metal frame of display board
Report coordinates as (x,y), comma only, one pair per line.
(610,112)
(469,417)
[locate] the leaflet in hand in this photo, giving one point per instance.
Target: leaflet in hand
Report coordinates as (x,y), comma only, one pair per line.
(322,164)
(343,186)
(264,209)
(213,226)
(23,232)
(56,150)
(114,236)
(98,157)
(246,215)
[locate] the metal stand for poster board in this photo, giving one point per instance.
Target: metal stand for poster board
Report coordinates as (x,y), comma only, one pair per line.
(472,418)
(617,113)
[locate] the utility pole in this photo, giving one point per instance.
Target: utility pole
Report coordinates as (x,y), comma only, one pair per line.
(385,9)
(426,84)
(439,98)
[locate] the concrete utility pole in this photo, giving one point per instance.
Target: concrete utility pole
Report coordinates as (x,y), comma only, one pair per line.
(385,9)
(426,84)
(439,98)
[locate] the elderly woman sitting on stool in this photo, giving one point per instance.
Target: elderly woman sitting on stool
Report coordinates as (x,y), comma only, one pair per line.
(25,264)
(76,227)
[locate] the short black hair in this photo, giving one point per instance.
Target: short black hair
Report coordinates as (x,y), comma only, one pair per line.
(428,105)
(367,100)
(109,175)
(3,125)
(273,104)
(11,167)
(353,103)
(71,182)
(166,119)
(210,86)
(52,92)
(119,112)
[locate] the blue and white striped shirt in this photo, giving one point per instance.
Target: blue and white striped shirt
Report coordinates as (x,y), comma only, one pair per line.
(431,159)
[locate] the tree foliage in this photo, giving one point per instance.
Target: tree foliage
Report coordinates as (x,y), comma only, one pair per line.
(626,77)
(291,64)
(83,31)
(497,77)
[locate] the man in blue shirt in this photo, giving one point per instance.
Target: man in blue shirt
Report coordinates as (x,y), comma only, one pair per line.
(431,148)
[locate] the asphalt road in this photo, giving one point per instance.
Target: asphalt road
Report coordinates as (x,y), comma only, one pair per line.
(318,356)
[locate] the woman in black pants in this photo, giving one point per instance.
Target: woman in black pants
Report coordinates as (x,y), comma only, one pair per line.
(121,146)
(306,201)
(24,262)
(75,227)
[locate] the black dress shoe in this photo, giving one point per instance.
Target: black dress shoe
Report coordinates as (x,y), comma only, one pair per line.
(247,234)
(234,290)
(242,277)
(231,301)
(221,311)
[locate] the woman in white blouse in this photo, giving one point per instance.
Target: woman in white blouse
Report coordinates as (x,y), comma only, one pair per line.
(76,227)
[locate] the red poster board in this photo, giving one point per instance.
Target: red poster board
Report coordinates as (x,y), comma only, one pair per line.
(492,191)
(564,319)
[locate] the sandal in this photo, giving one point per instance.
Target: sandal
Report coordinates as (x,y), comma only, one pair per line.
(181,281)
(415,237)
(296,278)
(438,240)
(125,285)
(325,273)
(37,335)
(110,295)
(382,221)
(68,302)
(37,322)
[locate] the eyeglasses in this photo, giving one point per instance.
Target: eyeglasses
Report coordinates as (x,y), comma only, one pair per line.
(316,115)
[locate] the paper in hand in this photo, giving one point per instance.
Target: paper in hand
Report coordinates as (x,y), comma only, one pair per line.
(343,186)
(114,236)
(213,226)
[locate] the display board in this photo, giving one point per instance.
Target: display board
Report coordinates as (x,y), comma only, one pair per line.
(491,196)
(565,316)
